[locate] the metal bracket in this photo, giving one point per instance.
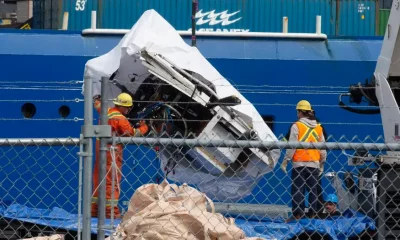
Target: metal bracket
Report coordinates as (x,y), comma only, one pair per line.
(84,154)
(96,131)
(366,184)
(389,160)
(107,227)
(360,161)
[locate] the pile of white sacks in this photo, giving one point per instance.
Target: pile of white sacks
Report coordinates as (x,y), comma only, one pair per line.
(168,211)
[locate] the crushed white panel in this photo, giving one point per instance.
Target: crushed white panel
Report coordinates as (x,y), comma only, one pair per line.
(153,48)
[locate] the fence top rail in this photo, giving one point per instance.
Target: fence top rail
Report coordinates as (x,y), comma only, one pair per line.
(256,144)
(6,142)
(206,143)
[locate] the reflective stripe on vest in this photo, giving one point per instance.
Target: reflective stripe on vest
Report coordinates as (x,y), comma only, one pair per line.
(108,201)
(111,115)
(114,115)
(307,134)
(97,105)
(311,134)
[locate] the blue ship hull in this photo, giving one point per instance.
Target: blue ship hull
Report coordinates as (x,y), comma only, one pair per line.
(43,66)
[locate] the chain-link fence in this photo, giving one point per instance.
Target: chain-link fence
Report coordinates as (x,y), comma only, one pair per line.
(40,195)
(39,186)
(209,184)
(357,181)
(235,186)
(46,186)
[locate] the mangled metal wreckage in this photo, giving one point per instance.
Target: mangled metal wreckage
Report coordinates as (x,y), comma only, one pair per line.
(183,96)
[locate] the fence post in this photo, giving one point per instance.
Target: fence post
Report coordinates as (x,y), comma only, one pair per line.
(80,186)
(102,165)
(88,154)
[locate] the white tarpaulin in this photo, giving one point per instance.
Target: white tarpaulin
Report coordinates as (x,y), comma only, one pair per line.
(156,35)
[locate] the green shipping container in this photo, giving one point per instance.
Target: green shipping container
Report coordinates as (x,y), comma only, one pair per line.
(383,20)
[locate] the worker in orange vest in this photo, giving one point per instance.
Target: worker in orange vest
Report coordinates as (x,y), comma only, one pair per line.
(308,164)
(319,186)
(121,127)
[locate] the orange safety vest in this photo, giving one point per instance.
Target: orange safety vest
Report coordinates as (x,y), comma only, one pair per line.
(307,134)
(118,122)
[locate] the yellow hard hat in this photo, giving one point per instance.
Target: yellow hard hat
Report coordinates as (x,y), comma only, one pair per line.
(124,100)
(303,105)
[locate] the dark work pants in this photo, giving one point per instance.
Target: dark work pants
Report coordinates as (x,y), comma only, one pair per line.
(304,178)
(320,197)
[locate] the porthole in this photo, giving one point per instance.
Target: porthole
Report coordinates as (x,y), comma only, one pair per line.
(28,110)
(64,111)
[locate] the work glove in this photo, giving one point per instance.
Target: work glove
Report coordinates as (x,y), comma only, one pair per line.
(143,128)
(321,169)
(284,165)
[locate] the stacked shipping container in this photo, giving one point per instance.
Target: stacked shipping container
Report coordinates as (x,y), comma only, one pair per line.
(47,14)
(382,21)
(339,17)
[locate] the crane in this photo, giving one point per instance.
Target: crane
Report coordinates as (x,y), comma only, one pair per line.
(383,92)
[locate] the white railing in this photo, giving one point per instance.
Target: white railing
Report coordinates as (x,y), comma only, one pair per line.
(284,34)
